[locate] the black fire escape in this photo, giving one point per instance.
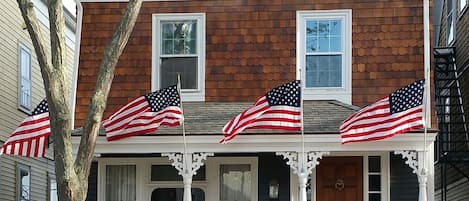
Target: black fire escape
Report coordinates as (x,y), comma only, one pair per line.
(452,144)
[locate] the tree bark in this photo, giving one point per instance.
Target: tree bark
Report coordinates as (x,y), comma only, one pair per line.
(72,176)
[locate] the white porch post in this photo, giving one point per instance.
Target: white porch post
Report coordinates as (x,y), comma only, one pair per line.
(302,165)
(416,163)
(187,166)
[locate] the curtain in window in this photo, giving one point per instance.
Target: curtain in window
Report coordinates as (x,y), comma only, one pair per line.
(120,183)
(235,182)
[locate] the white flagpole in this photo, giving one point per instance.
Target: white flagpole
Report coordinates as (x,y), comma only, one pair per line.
(302,161)
(186,159)
(422,174)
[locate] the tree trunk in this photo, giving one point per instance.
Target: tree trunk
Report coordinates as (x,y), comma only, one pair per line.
(72,176)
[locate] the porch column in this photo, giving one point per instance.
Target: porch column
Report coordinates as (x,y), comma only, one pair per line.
(187,165)
(416,161)
(302,165)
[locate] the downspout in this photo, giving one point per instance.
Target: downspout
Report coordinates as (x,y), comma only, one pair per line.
(76,60)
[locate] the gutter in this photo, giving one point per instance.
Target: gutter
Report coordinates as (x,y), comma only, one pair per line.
(79,23)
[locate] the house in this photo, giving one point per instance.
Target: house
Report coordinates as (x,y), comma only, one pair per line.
(231,52)
(452,101)
(21,89)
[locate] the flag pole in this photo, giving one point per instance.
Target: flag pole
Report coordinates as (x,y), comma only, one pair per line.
(186,158)
(182,110)
(422,174)
(302,161)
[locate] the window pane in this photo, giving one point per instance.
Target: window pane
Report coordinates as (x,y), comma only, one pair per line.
(374,197)
(24,184)
(185,66)
(176,194)
(235,184)
(120,183)
(374,164)
(324,71)
(335,27)
(169,173)
(53,190)
(25,80)
(179,37)
(374,182)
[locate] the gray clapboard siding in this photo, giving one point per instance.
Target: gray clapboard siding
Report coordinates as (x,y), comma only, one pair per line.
(11,35)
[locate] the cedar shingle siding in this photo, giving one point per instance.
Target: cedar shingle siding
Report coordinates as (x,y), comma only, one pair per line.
(251,47)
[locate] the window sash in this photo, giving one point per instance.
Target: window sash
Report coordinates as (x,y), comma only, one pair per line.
(24,77)
(23,180)
(196,84)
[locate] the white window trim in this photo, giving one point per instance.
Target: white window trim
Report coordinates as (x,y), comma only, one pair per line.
(344,93)
(187,95)
(20,167)
(24,108)
(385,183)
(463,8)
(211,185)
(453,20)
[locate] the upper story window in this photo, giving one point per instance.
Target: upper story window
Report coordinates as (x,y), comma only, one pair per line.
(450,24)
(24,60)
(324,49)
(179,48)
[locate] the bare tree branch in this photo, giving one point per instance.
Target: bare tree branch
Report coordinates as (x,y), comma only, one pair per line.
(103,85)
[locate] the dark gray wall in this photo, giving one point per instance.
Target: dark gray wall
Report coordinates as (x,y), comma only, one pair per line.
(93,183)
(273,167)
(404,184)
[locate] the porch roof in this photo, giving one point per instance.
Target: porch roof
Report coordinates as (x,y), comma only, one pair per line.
(320,117)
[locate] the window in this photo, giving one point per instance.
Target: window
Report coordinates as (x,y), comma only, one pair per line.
(24,78)
(176,194)
(374,178)
(462,5)
(179,48)
(52,188)
(23,182)
(450,25)
(235,182)
(120,182)
(324,54)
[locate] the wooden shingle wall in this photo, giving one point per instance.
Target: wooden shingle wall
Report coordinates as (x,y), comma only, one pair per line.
(251,47)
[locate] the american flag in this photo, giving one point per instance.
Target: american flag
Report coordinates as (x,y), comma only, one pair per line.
(278,109)
(30,138)
(400,112)
(145,114)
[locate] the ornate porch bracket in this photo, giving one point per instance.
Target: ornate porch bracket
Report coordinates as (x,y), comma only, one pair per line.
(302,165)
(415,161)
(187,165)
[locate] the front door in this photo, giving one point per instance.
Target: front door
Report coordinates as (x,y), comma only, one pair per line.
(340,179)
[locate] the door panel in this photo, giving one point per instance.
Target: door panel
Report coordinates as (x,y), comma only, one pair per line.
(340,179)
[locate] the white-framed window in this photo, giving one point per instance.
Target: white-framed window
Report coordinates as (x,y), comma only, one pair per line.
(324,47)
(24,78)
(179,48)
(53,196)
(23,182)
(462,5)
(374,178)
(450,22)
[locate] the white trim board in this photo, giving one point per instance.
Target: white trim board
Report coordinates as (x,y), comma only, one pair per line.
(254,143)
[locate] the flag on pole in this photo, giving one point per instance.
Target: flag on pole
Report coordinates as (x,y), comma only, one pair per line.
(400,112)
(278,109)
(30,138)
(145,114)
